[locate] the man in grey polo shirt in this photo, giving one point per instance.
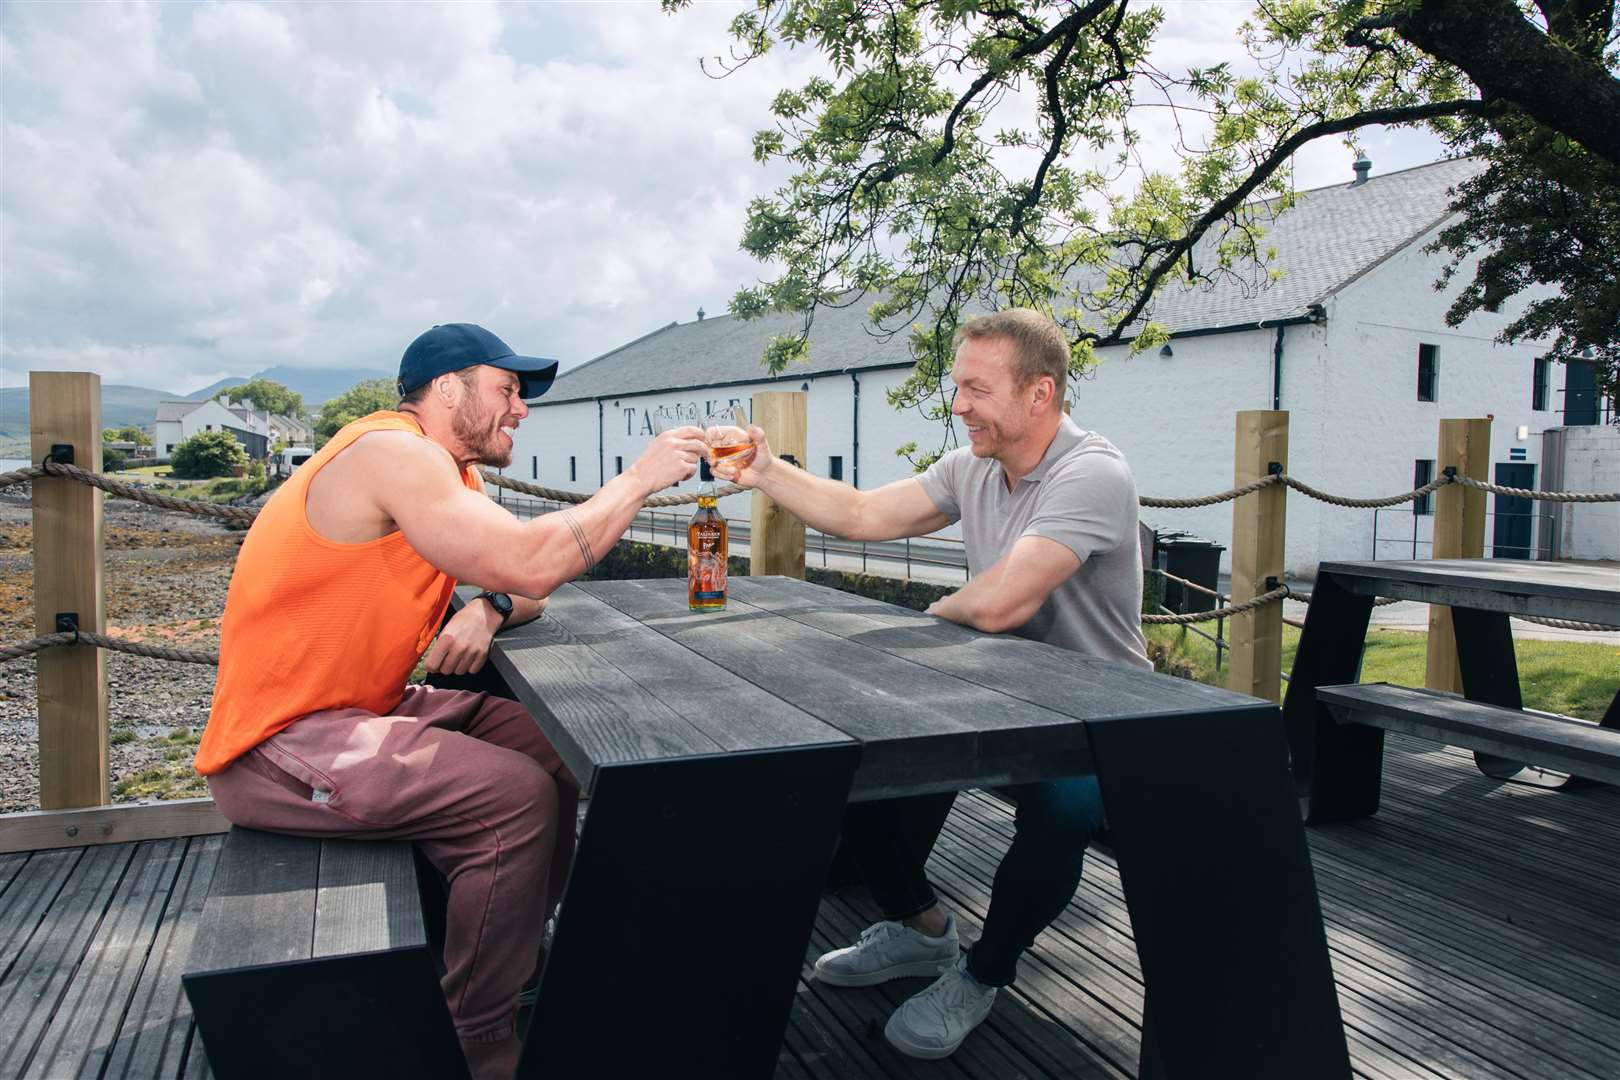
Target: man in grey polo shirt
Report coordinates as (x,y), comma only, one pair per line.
(1049,520)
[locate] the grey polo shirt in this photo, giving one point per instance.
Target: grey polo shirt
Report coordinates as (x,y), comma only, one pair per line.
(1082,495)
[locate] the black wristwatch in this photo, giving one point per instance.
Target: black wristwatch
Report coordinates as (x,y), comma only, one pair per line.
(500,602)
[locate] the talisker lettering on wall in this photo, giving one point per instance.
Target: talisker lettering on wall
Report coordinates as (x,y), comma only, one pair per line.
(640,421)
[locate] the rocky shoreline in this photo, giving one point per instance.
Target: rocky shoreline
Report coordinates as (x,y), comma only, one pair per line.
(166,575)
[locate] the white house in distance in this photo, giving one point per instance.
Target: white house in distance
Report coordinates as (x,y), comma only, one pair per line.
(287,429)
(1351,341)
(180,420)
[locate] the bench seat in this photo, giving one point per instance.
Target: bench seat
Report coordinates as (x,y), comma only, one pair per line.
(1568,745)
(312,959)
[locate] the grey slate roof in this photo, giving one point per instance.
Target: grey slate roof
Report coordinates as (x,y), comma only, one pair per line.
(169,411)
(1330,237)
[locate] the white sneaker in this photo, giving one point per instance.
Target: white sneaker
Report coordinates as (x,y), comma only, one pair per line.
(889,950)
(933,1024)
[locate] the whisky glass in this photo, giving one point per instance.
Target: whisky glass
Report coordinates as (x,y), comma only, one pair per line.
(726,433)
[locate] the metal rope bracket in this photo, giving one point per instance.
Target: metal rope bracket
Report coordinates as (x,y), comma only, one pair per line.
(67,622)
(61,454)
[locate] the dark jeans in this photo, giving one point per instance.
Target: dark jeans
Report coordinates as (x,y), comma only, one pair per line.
(1034,883)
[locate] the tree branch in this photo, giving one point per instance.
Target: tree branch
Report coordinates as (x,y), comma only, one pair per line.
(1034,47)
(1557,81)
(1235,198)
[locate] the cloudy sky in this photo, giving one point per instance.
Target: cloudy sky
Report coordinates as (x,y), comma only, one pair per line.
(191,191)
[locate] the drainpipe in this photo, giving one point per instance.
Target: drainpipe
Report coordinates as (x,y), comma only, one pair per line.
(855,432)
(1276,368)
(601,461)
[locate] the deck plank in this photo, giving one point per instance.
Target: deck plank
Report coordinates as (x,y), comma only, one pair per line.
(158,1032)
(91,1011)
(1451,920)
(44,967)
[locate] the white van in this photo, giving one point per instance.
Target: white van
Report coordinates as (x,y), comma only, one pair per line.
(291,457)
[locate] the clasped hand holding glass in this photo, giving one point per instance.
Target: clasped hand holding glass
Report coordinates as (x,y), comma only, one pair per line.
(725,432)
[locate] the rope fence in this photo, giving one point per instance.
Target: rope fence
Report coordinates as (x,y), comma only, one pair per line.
(115,644)
(246,514)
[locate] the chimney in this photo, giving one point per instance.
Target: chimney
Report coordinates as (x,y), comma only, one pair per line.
(700,314)
(1363,166)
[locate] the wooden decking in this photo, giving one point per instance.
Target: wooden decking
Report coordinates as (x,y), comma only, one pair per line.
(1474,929)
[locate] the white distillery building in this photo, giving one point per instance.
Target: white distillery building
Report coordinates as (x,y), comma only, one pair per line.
(1351,341)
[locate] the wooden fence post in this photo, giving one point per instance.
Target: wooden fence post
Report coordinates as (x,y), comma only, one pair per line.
(1259,527)
(65,409)
(1459,533)
(776,542)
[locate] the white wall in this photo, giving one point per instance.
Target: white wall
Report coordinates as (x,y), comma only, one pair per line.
(1591,463)
(1370,426)
(166,435)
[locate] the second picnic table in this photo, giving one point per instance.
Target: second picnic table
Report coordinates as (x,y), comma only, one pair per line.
(719,751)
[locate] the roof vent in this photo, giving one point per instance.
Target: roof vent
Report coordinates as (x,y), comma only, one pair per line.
(700,314)
(1363,166)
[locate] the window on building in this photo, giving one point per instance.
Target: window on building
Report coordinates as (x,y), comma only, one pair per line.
(618,465)
(169,448)
(1538,383)
(1423,473)
(1580,393)
(534,468)
(573,469)
(835,468)
(1428,371)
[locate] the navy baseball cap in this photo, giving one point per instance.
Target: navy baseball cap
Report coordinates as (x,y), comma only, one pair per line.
(454,346)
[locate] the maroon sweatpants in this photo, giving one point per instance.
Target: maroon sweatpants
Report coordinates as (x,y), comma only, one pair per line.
(472,780)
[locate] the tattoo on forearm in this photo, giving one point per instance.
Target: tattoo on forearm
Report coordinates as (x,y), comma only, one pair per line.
(579,538)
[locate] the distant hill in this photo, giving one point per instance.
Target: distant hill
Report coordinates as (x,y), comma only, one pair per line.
(210,390)
(120,406)
(123,405)
(318,385)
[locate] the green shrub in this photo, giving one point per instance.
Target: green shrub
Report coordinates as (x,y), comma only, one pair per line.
(207,454)
(113,460)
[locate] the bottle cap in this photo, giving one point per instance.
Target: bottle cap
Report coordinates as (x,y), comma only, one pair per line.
(703,470)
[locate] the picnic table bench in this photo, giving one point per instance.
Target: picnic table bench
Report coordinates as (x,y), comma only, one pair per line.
(1336,726)
(312,960)
(1581,749)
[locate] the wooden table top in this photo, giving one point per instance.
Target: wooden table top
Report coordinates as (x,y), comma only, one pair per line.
(1586,592)
(622,671)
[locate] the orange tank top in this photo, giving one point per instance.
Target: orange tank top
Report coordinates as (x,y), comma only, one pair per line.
(311,624)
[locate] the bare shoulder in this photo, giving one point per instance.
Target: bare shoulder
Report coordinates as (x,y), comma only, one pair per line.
(380,458)
(354,497)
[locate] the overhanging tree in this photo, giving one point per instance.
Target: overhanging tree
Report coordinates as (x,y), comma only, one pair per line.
(268,395)
(914,184)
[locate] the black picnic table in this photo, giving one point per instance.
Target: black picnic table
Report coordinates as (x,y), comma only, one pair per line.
(719,750)
(1338,765)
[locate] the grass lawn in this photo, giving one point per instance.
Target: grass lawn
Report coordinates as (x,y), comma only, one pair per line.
(1569,677)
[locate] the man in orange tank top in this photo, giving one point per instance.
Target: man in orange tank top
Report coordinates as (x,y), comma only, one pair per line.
(340,586)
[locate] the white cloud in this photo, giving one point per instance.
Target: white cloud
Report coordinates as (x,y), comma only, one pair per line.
(198,190)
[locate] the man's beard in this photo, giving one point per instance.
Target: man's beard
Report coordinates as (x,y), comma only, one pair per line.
(483,443)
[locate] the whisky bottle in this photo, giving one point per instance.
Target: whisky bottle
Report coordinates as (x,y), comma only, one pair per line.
(706,549)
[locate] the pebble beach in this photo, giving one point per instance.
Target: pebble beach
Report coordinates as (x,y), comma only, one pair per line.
(166,575)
